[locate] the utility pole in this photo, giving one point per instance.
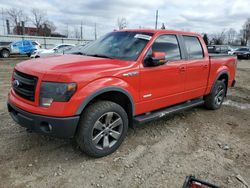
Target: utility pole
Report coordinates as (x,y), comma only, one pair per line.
(3,22)
(156,19)
(67,30)
(95,32)
(81,30)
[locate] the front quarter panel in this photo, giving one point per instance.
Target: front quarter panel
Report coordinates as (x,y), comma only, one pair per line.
(93,89)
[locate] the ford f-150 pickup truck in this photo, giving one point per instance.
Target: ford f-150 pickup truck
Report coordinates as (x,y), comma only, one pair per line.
(123,79)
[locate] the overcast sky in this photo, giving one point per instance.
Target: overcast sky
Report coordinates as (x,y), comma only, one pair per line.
(200,16)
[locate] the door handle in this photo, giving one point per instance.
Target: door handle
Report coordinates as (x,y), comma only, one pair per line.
(182,69)
(205,66)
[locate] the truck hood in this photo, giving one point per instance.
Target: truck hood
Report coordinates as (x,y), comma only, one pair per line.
(71,64)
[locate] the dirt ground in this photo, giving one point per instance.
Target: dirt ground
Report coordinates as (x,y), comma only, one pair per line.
(212,145)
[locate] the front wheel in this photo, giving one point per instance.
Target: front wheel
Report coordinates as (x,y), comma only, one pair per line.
(102,128)
(214,100)
(5,53)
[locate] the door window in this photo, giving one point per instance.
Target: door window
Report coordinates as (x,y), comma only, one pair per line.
(194,48)
(169,45)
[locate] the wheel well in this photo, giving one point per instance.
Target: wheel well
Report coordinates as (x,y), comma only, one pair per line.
(5,49)
(119,98)
(224,77)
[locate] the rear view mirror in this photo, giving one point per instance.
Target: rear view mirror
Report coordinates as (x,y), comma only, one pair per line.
(156,59)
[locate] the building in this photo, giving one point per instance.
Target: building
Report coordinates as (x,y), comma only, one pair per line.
(22,30)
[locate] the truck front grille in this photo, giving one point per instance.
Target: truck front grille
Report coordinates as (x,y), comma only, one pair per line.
(24,85)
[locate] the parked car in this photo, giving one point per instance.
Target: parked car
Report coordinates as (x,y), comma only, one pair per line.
(219,49)
(4,49)
(75,50)
(123,79)
(24,47)
(242,53)
(37,45)
(51,51)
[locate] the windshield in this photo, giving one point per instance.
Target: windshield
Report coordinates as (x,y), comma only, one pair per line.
(118,45)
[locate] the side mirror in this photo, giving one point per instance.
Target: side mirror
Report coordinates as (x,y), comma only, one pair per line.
(156,59)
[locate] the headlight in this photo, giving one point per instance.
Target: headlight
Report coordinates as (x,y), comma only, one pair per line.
(58,92)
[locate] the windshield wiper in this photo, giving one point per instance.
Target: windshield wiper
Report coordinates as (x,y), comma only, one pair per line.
(100,55)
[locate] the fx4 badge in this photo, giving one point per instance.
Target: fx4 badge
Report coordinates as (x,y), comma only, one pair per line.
(130,74)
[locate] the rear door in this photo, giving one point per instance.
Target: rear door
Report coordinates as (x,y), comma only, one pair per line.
(197,68)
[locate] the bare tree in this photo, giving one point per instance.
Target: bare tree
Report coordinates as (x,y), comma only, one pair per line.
(246,32)
(122,23)
(50,25)
(231,36)
(38,19)
(16,16)
(77,33)
(218,38)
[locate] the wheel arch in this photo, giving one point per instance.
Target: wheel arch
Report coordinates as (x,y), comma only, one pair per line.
(111,93)
(223,76)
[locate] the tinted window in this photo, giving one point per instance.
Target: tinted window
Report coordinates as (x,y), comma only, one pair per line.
(169,45)
(194,48)
(119,45)
(26,43)
(242,49)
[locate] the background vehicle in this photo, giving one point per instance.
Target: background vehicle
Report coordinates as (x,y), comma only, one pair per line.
(52,51)
(123,79)
(4,49)
(75,50)
(24,47)
(242,53)
(37,45)
(219,49)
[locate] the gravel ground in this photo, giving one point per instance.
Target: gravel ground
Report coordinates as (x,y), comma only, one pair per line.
(212,145)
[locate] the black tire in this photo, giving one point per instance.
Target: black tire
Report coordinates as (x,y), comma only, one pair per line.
(5,53)
(214,100)
(87,132)
(28,54)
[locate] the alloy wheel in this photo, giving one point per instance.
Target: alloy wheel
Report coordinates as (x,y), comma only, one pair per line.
(107,130)
(219,96)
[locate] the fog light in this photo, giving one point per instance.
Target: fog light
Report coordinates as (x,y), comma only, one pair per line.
(45,102)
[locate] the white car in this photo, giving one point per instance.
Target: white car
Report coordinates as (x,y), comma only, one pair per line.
(49,52)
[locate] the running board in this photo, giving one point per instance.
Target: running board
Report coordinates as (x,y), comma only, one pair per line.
(166,111)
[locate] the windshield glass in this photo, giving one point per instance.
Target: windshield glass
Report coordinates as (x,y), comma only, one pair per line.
(118,45)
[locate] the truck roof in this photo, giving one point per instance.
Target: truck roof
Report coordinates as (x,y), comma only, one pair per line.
(161,31)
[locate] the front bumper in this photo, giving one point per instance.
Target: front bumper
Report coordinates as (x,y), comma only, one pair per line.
(63,127)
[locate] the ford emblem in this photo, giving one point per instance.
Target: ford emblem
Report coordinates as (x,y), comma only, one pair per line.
(16,83)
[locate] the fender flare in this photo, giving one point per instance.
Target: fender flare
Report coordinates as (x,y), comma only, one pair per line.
(86,101)
(217,77)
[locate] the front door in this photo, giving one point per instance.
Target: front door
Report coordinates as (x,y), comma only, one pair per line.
(163,85)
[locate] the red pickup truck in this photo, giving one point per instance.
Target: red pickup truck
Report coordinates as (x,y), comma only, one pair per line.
(123,79)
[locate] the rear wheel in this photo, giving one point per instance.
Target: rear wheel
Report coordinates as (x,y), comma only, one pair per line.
(102,128)
(5,53)
(215,99)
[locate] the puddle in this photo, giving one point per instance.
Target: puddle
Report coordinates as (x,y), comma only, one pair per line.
(242,106)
